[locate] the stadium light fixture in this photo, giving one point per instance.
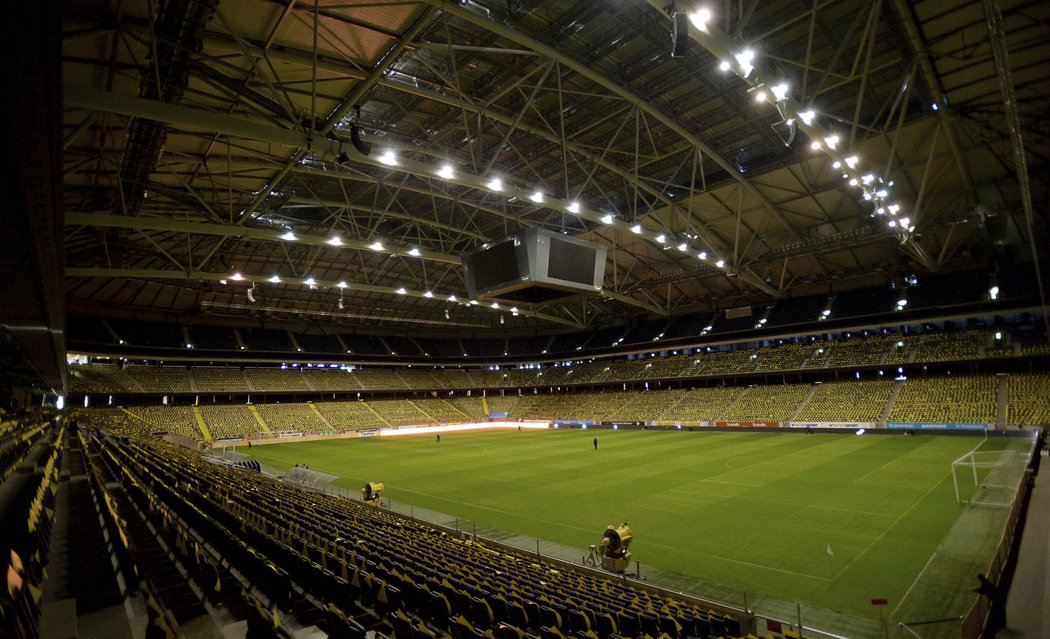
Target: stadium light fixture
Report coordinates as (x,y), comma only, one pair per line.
(401,291)
(574,207)
(537,197)
(636,229)
(744,61)
(446,171)
(336,241)
(495,184)
(414,252)
(724,66)
(289,236)
(376,246)
(388,158)
(276,279)
(607,218)
(700,18)
(237,277)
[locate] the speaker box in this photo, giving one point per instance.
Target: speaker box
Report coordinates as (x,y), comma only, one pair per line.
(679,35)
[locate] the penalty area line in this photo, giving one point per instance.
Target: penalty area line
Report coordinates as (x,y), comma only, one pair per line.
(915,581)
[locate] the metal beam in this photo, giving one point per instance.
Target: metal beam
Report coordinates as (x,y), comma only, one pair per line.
(329,148)
(648,107)
(627,299)
(994,16)
(227,230)
(933,83)
(198,276)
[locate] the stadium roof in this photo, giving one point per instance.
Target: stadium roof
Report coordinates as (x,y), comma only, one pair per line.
(287,147)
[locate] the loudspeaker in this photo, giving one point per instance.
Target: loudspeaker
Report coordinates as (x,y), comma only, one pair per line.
(679,35)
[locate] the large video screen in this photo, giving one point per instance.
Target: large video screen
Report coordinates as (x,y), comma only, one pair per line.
(494,266)
(571,262)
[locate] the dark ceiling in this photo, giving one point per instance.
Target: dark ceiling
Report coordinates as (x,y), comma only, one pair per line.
(201,137)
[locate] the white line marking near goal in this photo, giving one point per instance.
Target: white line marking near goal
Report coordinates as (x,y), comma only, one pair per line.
(908,591)
(888,528)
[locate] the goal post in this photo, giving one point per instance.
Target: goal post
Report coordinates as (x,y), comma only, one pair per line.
(987,478)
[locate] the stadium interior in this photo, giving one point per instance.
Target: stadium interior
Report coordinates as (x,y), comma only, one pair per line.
(243,223)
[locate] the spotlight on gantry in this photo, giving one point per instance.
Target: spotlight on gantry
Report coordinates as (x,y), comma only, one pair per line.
(373,493)
(615,540)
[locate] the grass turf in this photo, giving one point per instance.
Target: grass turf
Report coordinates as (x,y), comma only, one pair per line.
(749,511)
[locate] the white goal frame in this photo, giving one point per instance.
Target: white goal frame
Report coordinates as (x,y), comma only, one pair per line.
(968,465)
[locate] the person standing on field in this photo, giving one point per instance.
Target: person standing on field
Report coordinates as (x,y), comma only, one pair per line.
(595,443)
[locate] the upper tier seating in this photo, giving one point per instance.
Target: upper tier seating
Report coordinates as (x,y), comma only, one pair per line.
(222,380)
(858,351)
(379,379)
(162,379)
(330,379)
(102,378)
(275,379)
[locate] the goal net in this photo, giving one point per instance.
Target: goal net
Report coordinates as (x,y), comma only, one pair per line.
(987,478)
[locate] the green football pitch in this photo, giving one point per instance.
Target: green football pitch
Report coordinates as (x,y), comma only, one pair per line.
(832,521)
